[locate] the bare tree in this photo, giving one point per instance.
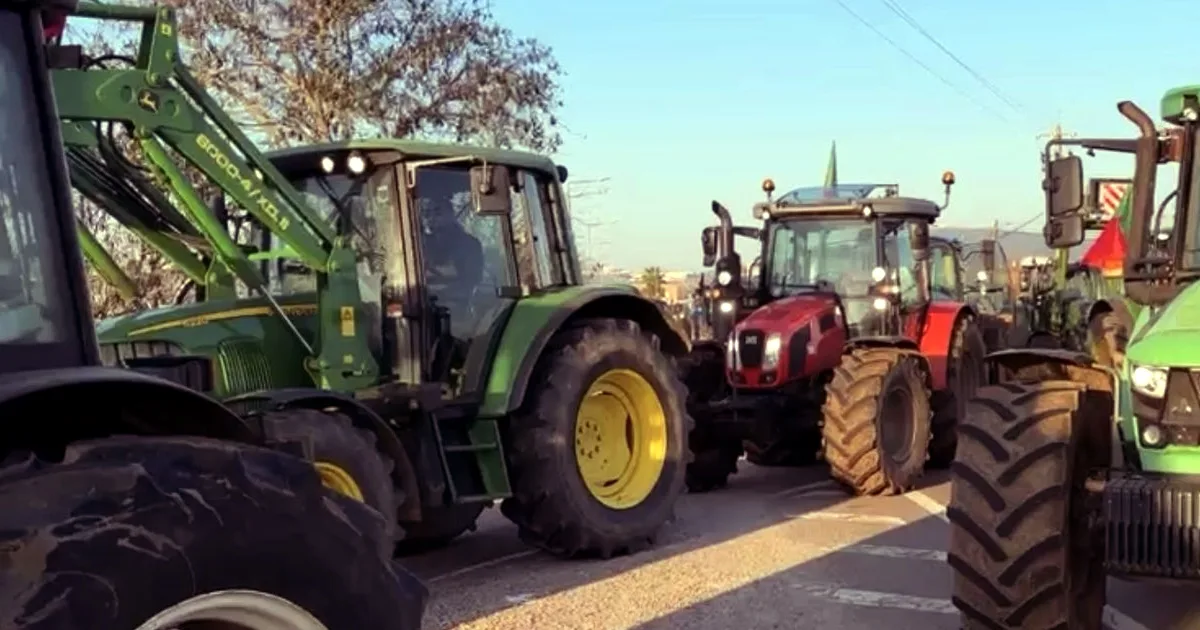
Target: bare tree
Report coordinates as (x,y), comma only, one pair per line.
(307,71)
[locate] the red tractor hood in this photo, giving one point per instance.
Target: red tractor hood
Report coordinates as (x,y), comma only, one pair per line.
(787,314)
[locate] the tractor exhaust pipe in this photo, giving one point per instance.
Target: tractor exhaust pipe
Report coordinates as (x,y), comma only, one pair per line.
(1139,117)
(725,240)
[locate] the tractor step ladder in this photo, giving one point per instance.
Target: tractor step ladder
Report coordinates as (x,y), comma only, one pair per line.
(478,439)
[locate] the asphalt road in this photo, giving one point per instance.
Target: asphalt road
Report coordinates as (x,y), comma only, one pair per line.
(779,548)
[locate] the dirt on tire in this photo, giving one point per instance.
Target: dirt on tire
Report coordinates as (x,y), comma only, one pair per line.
(854,419)
(123,528)
(1020,550)
(551,505)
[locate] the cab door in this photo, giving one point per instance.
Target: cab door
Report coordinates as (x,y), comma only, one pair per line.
(945,273)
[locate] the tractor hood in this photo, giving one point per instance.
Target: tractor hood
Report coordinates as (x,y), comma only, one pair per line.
(789,313)
(133,325)
(1168,337)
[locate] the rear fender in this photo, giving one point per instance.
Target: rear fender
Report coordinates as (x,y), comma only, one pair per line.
(902,345)
(536,319)
(940,320)
(87,403)
(1036,364)
(363,417)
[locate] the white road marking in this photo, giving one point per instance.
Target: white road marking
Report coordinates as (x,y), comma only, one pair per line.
(482,565)
(924,502)
(1113,618)
(519,598)
(875,599)
(904,553)
(845,517)
(824,484)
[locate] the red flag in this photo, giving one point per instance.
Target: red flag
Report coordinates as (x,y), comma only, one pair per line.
(1108,252)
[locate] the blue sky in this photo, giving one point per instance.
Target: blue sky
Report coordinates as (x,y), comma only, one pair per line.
(680,103)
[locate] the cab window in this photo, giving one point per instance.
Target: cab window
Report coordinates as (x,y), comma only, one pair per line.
(34,298)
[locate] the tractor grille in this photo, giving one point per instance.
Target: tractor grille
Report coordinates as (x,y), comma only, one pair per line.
(244,366)
(750,347)
(1152,527)
(116,354)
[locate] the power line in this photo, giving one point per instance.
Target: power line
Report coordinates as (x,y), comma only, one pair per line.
(917,61)
(903,15)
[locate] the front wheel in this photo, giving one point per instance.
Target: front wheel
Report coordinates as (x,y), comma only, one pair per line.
(877,422)
(599,450)
(126,530)
(1020,546)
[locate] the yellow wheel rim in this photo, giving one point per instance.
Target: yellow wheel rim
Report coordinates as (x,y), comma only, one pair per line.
(337,479)
(620,439)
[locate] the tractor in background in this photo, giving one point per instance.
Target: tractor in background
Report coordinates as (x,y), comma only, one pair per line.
(410,316)
(988,292)
(126,500)
(845,322)
(1082,465)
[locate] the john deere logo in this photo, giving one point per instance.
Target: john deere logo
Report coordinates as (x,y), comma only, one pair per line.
(751,340)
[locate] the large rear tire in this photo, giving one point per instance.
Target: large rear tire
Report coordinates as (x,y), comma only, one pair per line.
(964,375)
(346,457)
(877,422)
(599,451)
(1022,554)
(125,528)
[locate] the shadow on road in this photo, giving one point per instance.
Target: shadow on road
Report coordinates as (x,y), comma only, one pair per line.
(895,579)
(462,594)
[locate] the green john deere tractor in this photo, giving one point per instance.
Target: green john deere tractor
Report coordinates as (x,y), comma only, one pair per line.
(128,502)
(1062,303)
(409,315)
(1079,466)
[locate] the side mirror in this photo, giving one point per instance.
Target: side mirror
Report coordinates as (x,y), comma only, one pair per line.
(988,250)
(491,190)
(1064,186)
(562,173)
(708,240)
(1064,231)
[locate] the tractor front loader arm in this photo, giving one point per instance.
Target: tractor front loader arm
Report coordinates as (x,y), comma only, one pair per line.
(168,108)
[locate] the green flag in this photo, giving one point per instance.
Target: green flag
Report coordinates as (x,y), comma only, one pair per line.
(1123,215)
(831,170)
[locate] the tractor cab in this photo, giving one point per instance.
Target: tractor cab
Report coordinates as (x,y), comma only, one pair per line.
(839,263)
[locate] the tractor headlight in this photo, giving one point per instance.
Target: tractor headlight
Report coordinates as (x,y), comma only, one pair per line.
(878,274)
(982,276)
(1149,381)
(724,278)
(726,307)
(880,304)
(771,351)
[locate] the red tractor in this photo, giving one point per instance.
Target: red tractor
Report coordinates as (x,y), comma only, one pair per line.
(844,346)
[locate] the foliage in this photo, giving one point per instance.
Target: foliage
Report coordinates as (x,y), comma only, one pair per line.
(307,71)
(652,281)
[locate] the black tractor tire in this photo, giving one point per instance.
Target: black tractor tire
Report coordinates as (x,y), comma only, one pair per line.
(124,528)
(965,374)
(1107,339)
(440,525)
(871,445)
(330,437)
(712,466)
(1020,548)
(552,505)
(802,449)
